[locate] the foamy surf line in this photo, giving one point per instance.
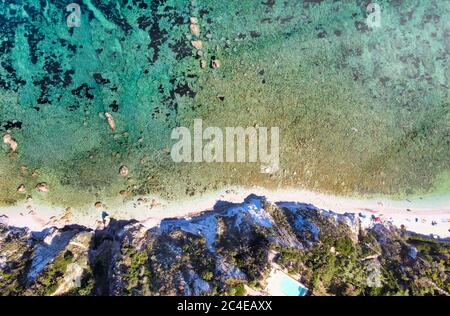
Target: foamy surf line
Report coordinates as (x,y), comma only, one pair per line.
(427,216)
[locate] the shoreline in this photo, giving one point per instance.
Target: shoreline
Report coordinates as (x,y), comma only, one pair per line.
(416,214)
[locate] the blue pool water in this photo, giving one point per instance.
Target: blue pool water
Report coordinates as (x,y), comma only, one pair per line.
(292,288)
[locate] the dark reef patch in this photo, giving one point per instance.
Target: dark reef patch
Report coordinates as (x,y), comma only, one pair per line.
(181,48)
(9,125)
(83,91)
(99,79)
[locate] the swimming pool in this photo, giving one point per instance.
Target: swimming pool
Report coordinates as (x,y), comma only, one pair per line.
(281,284)
(290,287)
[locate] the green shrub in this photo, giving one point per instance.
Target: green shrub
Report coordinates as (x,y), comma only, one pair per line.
(344,246)
(238,290)
(207,276)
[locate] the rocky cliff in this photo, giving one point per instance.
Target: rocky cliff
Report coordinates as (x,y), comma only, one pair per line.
(229,250)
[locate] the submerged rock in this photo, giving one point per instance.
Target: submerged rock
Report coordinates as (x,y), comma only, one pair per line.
(9,140)
(42,187)
(212,252)
(21,188)
(197,44)
(195,29)
(215,63)
(123,171)
(98,204)
(110,119)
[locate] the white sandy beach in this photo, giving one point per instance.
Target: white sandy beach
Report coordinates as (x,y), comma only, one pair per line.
(415,214)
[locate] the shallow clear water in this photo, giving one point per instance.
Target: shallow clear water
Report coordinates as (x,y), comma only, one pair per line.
(361,110)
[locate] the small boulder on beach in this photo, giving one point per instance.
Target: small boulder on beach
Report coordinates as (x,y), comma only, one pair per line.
(67,216)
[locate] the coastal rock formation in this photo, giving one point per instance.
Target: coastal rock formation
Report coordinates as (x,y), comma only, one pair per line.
(220,251)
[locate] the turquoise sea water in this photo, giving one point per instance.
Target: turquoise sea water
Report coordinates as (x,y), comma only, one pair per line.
(361,110)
